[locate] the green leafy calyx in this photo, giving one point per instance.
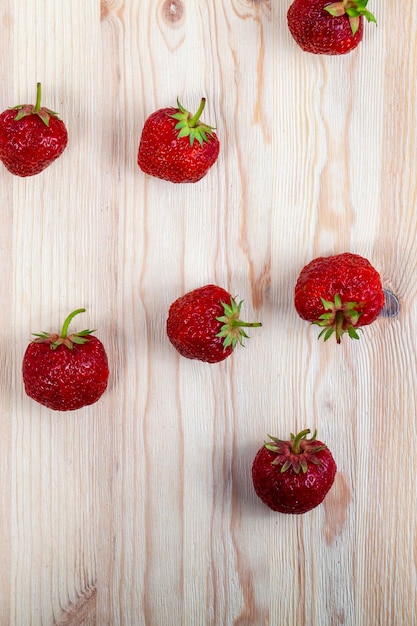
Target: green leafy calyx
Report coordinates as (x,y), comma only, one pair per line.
(340,317)
(64,339)
(190,125)
(354,9)
(35,109)
(232,330)
(296,453)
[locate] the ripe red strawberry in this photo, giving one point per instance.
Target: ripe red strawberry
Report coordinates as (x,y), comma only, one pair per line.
(177,146)
(204,324)
(31,137)
(325,27)
(340,293)
(65,372)
(293,476)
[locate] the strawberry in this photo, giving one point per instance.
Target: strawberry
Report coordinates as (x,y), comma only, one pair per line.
(176,146)
(324,27)
(293,476)
(204,324)
(31,137)
(341,293)
(65,372)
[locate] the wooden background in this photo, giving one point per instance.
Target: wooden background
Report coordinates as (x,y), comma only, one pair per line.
(139,510)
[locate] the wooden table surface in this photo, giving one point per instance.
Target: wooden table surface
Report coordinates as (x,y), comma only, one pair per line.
(140,510)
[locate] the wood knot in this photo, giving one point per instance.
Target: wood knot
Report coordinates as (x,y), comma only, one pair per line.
(172,12)
(107,7)
(259,5)
(104,10)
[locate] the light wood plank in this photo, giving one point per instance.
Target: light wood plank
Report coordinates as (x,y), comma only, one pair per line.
(140,509)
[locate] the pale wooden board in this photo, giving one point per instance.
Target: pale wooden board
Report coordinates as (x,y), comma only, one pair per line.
(140,510)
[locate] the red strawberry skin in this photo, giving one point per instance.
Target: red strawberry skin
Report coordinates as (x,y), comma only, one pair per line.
(347,274)
(288,491)
(192,325)
(64,379)
(28,146)
(165,155)
(318,32)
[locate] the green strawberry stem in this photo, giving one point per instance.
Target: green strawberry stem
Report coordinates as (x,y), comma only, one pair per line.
(190,125)
(193,121)
(339,321)
(38,98)
(29,109)
(341,317)
(296,453)
(232,329)
(64,339)
(69,319)
(240,324)
(297,438)
(354,9)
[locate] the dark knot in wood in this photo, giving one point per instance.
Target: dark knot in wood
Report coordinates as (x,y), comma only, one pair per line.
(172,11)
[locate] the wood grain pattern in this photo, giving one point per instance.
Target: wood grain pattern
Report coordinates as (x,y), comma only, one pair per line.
(140,510)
